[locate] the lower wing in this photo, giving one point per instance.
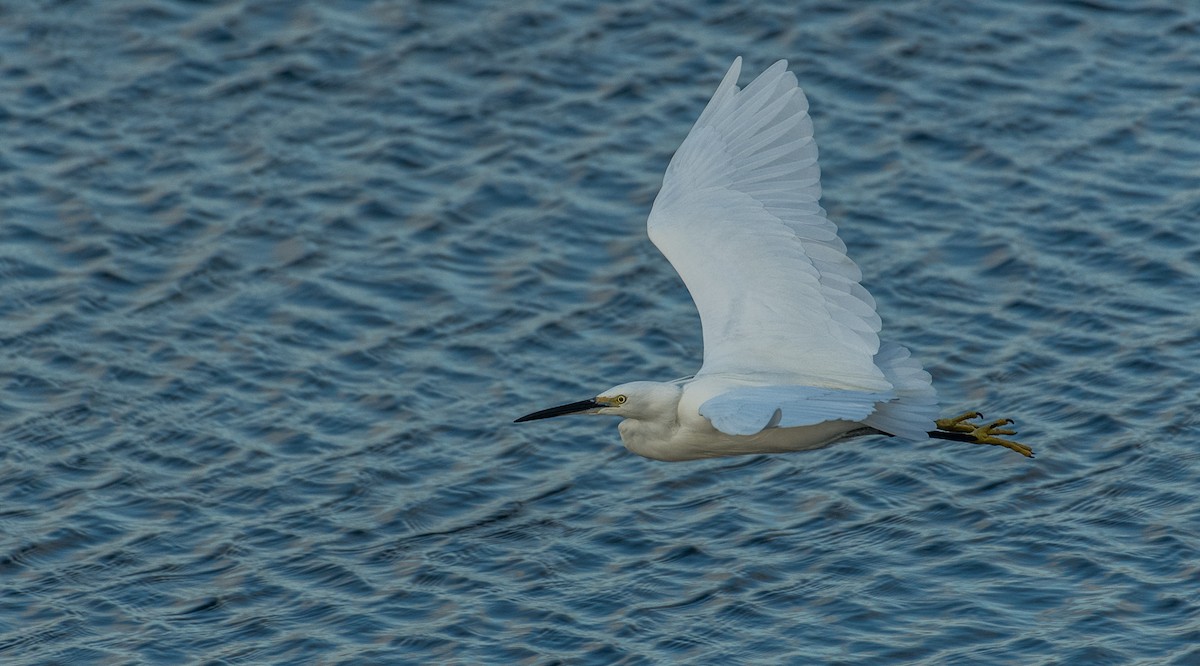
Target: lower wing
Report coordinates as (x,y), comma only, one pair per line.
(750,410)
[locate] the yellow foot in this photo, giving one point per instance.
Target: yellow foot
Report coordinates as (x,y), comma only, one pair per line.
(986,433)
(957,424)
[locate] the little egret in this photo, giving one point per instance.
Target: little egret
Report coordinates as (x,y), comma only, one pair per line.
(792,355)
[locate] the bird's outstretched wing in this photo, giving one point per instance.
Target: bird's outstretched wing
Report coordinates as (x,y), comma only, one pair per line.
(738,218)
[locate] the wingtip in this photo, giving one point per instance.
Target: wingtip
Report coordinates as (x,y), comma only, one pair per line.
(734,72)
(776,68)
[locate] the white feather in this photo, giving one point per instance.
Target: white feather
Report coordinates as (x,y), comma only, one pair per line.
(911,414)
(792,357)
(748,411)
(738,218)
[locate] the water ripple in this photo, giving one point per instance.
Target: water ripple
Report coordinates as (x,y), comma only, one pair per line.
(275,277)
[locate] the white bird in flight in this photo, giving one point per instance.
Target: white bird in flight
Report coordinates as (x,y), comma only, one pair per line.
(792,355)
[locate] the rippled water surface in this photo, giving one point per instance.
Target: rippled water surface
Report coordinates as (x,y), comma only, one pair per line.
(275,278)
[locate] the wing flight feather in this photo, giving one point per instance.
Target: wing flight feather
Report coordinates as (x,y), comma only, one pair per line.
(739,219)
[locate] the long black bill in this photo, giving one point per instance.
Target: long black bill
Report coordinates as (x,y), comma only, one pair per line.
(581,406)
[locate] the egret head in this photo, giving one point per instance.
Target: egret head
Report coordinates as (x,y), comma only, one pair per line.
(632,400)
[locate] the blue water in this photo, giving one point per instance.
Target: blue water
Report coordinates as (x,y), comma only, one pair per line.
(275,278)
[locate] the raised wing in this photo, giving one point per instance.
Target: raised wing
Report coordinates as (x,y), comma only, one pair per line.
(738,218)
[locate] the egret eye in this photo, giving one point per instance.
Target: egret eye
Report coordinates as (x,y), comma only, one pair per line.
(620,400)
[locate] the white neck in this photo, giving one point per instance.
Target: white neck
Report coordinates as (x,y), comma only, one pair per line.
(647,438)
(654,419)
